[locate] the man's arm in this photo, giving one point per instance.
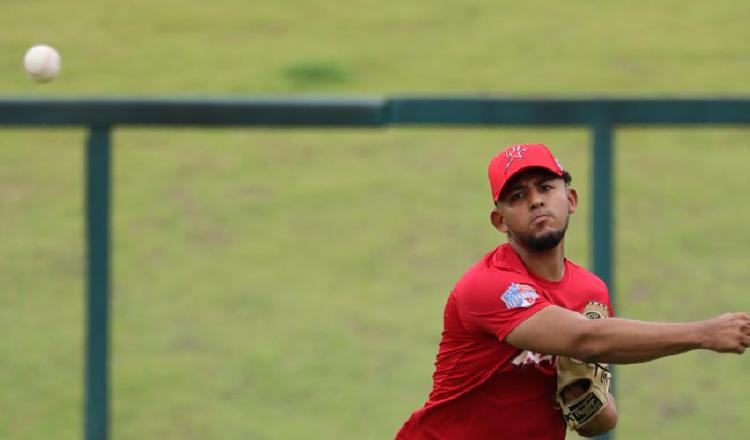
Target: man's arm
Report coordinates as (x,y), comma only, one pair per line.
(604,422)
(601,424)
(555,330)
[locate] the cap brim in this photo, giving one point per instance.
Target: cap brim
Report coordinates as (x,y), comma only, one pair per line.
(521,170)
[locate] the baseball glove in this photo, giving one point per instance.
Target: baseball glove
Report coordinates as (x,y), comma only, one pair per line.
(594,379)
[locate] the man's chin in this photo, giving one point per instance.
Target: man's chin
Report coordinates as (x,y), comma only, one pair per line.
(543,241)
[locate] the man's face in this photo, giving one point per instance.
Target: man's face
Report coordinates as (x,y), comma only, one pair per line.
(534,208)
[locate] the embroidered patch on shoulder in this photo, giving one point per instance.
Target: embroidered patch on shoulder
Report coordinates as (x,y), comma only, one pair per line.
(519,295)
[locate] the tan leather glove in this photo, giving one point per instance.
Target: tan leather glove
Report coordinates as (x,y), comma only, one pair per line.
(593,378)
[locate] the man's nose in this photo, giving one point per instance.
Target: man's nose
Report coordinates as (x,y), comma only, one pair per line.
(535,199)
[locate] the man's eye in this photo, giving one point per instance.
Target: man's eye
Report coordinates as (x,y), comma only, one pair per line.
(546,187)
(516,196)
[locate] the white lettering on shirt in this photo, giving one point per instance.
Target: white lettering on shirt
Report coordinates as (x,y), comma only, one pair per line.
(527,357)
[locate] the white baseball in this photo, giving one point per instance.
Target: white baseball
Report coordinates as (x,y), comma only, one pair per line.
(42,63)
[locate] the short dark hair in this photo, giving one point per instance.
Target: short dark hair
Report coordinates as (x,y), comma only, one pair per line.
(567,177)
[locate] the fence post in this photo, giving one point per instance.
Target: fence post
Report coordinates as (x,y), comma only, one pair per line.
(602,235)
(97,237)
(603,201)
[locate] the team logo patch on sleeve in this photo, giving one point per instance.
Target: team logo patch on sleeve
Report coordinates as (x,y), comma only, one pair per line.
(519,295)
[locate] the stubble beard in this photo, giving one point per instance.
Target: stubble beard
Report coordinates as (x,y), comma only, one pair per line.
(543,242)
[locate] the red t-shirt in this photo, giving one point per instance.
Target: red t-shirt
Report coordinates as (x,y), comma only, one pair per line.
(484,388)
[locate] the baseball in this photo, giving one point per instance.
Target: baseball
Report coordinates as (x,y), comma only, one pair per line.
(42,63)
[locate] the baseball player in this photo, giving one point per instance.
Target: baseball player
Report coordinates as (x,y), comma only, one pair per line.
(528,334)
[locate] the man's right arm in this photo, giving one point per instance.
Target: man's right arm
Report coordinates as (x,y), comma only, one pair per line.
(555,330)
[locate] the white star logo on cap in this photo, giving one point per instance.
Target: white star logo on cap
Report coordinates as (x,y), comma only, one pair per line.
(514,152)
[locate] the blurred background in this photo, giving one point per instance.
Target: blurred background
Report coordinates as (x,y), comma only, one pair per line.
(286,284)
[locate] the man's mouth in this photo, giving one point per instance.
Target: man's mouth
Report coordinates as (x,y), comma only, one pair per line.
(540,218)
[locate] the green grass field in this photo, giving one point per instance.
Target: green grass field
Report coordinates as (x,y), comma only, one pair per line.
(273,284)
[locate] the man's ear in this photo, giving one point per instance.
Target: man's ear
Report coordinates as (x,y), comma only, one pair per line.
(572,199)
(498,221)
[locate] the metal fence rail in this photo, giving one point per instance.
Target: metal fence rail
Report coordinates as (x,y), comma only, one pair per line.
(101,115)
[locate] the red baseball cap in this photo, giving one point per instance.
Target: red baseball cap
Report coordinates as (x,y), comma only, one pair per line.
(518,158)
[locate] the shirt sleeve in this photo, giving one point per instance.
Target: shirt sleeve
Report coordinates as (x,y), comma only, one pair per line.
(499,307)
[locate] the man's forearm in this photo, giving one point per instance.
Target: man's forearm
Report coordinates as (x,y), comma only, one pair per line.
(603,423)
(624,341)
(555,330)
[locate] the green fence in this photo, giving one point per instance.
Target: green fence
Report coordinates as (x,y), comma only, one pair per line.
(101,115)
